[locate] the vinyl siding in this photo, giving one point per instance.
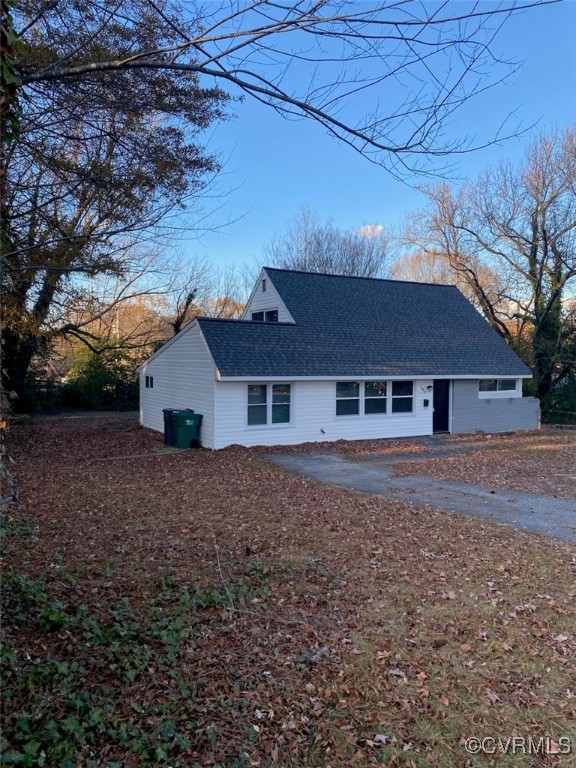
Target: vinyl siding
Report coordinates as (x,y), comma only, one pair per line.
(184,375)
(471,413)
(269,299)
(313,408)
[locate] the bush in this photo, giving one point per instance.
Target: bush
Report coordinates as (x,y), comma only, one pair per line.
(40,395)
(560,406)
(105,379)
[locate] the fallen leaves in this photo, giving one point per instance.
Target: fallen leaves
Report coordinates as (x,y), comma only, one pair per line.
(362,631)
(541,462)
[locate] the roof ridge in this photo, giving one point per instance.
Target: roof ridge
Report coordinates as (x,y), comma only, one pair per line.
(359,277)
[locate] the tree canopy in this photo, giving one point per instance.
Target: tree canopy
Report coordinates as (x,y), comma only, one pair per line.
(509,237)
(105,107)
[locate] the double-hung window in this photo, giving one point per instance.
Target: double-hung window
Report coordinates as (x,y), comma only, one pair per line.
(257,404)
(269,404)
(402,396)
(280,403)
(347,398)
(374,397)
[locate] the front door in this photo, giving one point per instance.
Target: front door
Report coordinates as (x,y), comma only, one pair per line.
(441,405)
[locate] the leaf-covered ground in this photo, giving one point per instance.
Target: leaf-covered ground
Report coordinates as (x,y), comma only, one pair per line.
(208,609)
(541,462)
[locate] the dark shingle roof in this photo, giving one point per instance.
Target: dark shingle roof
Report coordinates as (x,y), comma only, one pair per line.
(351,326)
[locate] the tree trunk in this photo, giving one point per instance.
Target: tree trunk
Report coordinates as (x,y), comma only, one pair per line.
(17,353)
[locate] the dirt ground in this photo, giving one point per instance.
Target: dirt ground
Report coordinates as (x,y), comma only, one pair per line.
(343,629)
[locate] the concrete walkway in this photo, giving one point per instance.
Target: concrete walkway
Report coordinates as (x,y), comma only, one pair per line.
(540,514)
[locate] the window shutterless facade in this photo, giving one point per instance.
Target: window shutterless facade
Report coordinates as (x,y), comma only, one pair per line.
(149,382)
(371,397)
(269,404)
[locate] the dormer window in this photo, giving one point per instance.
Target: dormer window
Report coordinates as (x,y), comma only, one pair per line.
(267,316)
(264,285)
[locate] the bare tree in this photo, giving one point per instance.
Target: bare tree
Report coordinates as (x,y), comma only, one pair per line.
(200,288)
(437,52)
(103,105)
(433,266)
(519,223)
(310,245)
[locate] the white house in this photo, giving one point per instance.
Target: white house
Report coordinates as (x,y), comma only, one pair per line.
(323,357)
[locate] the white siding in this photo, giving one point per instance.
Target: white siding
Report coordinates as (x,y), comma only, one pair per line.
(314,409)
(184,375)
(269,299)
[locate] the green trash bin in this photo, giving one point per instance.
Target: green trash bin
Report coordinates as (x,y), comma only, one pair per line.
(186,425)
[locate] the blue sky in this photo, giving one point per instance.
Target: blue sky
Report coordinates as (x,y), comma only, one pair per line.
(273,166)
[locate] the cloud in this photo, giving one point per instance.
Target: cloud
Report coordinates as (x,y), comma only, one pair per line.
(370,230)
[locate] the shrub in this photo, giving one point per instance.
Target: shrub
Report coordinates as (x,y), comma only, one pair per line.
(105,379)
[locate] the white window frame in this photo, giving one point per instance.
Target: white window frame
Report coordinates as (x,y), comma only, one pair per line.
(343,399)
(385,399)
(499,393)
(389,413)
(269,404)
(401,397)
(264,312)
(149,381)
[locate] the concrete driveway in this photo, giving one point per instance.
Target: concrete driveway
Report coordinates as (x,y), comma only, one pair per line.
(540,514)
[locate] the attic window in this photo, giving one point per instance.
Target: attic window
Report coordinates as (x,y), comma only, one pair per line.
(149,382)
(264,285)
(265,316)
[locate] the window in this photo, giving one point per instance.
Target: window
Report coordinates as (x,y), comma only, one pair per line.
(371,397)
(402,396)
(280,403)
(497,385)
(347,398)
(257,404)
(149,382)
(268,316)
(263,409)
(375,397)
(264,285)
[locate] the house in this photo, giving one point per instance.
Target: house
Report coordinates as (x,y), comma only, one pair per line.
(323,357)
